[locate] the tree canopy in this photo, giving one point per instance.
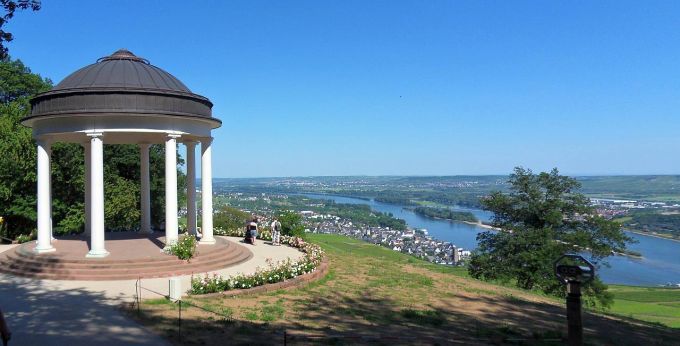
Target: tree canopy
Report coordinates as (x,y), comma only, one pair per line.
(18,168)
(229,218)
(9,7)
(291,223)
(542,217)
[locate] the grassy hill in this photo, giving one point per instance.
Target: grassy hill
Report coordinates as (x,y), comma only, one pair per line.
(390,298)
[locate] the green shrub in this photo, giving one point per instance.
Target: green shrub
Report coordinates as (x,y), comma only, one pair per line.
(22,238)
(185,248)
(291,224)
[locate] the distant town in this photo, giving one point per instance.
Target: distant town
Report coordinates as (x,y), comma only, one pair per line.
(416,242)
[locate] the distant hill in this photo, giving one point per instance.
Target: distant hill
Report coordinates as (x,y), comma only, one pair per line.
(662,188)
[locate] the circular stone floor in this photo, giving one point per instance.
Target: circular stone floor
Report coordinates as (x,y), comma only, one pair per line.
(120,245)
(132,255)
(115,291)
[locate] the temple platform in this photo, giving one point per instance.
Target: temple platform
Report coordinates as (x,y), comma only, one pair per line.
(132,256)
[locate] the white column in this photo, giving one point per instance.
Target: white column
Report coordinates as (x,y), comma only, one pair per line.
(171,232)
(44,243)
(191,187)
(88,188)
(97,248)
(49,188)
(146,190)
(206,192)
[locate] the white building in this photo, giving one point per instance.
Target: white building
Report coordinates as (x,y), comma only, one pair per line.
(123,99)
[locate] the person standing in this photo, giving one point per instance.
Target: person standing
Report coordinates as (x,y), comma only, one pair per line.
(276,232)
(251,228)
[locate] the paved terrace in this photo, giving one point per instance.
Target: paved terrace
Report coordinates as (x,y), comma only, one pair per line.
(86,312)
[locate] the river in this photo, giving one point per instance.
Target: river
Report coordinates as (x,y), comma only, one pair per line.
(659,265)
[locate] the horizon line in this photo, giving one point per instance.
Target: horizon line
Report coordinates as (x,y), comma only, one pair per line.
(443,176)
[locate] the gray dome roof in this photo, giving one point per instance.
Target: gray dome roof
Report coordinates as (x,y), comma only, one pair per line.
(121,84)
(122,69)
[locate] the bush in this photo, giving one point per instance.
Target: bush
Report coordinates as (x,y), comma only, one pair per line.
(22,238)
(185,248)
(291,224)
(230,218)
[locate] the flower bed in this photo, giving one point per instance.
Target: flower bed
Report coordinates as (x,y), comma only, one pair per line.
(262,233)
(275,272)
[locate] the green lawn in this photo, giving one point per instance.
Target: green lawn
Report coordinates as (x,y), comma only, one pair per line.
(373,291)
(659,305)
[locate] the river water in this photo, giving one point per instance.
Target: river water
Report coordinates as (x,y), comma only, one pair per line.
(660,263)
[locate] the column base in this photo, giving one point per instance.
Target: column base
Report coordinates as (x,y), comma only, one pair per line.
(169,244)
(97,254)
(43,250)
(210,241)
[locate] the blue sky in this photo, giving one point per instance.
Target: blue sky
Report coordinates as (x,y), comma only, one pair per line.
(399,87)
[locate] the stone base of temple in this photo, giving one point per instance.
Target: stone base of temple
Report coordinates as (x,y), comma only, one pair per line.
(131,255)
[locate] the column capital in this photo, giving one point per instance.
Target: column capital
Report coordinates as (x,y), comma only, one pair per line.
(207,140)
(94,134)
(190,142)
(174,135)
(144,145)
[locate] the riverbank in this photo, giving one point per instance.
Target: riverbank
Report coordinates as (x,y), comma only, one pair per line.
(481,225)
(657,235)
(659,265)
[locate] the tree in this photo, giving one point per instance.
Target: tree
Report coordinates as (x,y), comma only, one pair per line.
(291,224)
(18,163)
(10,6)
(541,218)
(229,218)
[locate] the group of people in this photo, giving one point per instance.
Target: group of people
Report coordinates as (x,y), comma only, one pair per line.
(251,231)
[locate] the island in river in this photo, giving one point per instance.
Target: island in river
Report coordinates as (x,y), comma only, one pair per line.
(446,214)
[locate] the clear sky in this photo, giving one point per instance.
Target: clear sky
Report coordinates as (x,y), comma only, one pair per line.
(399,87)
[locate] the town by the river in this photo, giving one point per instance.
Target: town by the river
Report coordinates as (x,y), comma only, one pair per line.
(659,265)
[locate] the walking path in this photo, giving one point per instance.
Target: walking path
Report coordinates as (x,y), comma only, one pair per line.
(49,312)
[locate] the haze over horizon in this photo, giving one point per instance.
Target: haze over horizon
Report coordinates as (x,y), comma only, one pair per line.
(439,176)
(399,87)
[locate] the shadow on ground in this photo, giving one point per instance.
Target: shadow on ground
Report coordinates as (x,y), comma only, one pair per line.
(370,320)
(38,313)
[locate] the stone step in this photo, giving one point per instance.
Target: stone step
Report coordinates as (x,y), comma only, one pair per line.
(99,275)
(21,261)
(36,260)
(25,252)
(32,267)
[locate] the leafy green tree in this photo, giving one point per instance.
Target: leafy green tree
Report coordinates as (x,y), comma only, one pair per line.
(291,224)
(229,218)
(18,162)
(68,187)
(541,218)
(9,7)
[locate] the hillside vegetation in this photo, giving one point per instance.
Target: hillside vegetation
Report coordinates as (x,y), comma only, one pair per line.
(375,292)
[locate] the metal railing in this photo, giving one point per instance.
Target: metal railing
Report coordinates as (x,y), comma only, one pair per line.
(182,305)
